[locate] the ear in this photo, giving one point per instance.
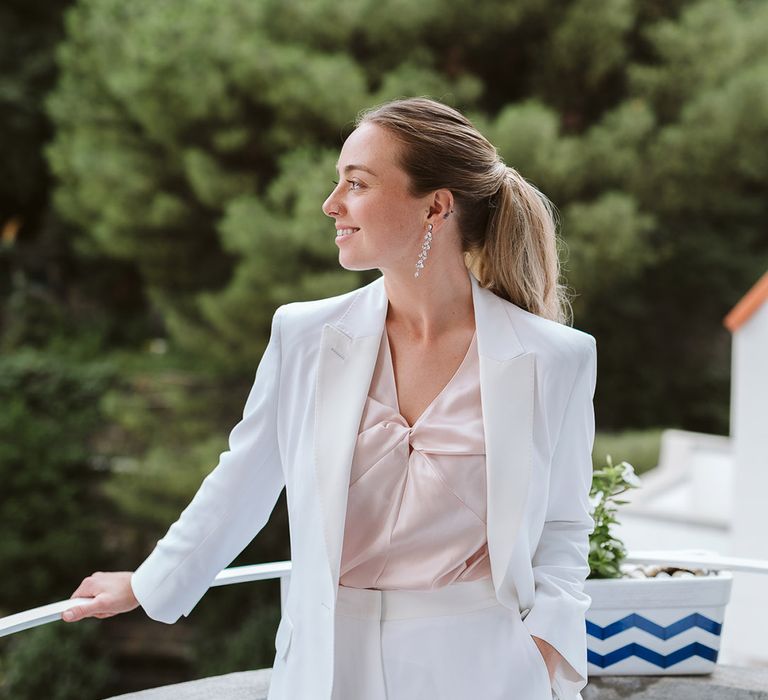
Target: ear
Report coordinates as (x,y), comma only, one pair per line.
(440,206)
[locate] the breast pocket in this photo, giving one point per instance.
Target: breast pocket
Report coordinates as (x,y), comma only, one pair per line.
(283,636)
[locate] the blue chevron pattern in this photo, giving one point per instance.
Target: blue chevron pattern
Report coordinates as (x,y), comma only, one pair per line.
(660,660)
(660,631)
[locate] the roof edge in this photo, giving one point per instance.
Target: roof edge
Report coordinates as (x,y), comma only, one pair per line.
(748,304)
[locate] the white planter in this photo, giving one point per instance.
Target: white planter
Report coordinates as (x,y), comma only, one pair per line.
(655,626)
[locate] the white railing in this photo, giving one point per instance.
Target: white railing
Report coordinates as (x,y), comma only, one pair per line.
(282,570)
(238,574)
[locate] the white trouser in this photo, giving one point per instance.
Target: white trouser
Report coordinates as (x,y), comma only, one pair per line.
(452,643)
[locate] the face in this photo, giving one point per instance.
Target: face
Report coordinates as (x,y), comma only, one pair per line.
(378,223)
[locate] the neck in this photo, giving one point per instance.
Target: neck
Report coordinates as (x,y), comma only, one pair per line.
(427,307)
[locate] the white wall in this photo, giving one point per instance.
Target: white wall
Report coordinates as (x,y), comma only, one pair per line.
(749,431)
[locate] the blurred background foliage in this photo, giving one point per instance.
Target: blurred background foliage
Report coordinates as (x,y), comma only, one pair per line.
(160,188)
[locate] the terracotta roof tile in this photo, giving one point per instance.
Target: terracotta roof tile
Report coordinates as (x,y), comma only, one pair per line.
(749,303)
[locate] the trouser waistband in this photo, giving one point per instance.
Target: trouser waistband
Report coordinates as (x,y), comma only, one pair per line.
(369,603)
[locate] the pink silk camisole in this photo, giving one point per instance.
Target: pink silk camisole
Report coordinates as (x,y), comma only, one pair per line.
(418,520)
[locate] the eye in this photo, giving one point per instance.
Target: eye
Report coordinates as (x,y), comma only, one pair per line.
(353,184)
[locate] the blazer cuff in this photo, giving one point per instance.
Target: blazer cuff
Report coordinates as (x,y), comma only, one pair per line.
(144,582)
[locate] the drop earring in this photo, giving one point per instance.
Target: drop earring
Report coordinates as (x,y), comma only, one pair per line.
(424,250)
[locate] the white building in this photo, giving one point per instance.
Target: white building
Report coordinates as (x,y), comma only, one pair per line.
(711,491)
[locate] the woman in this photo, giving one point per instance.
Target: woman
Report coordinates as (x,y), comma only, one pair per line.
(433,431)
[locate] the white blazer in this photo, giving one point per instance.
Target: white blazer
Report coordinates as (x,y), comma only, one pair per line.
(299,428)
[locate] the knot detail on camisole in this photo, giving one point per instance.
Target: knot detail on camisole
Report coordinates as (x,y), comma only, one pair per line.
(416,509)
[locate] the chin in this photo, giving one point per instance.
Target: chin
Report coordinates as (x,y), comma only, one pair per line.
(356,266)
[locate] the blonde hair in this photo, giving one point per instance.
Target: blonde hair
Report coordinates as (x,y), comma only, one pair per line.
(507,227)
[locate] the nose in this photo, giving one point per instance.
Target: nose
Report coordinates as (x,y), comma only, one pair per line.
(333,205)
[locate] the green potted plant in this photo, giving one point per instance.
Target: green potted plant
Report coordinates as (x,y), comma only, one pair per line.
(646,620)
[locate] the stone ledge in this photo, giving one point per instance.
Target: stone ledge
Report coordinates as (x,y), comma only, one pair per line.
(244,685)
(726,683)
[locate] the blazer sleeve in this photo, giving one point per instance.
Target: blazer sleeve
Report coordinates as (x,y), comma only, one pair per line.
(560,562)
(231,506)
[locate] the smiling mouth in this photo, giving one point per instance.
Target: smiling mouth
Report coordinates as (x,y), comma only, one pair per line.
(340,233)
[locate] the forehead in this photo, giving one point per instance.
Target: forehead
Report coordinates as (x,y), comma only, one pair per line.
(369,145)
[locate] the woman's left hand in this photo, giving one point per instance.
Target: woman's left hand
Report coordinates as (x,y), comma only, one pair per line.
(550,654)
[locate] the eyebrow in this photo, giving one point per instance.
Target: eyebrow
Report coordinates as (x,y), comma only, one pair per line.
(347,168)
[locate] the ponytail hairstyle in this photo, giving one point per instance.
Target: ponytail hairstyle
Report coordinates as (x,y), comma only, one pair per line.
(507,227)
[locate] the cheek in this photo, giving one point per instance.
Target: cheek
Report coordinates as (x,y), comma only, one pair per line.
(389,218)
(400,220)
(407,229)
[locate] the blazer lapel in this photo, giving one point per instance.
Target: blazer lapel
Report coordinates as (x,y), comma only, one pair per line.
(507,397)
(348,351)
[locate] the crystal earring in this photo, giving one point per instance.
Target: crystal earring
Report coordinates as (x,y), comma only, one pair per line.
(424,250)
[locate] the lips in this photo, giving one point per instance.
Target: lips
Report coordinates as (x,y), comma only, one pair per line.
(347,231)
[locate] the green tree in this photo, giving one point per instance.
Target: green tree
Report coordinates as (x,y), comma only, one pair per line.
(48,290)
(56,662)
(51,514)
(198,141)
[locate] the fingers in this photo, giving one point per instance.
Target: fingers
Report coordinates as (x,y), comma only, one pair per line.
(88,588)
(110,593)
(78,612)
